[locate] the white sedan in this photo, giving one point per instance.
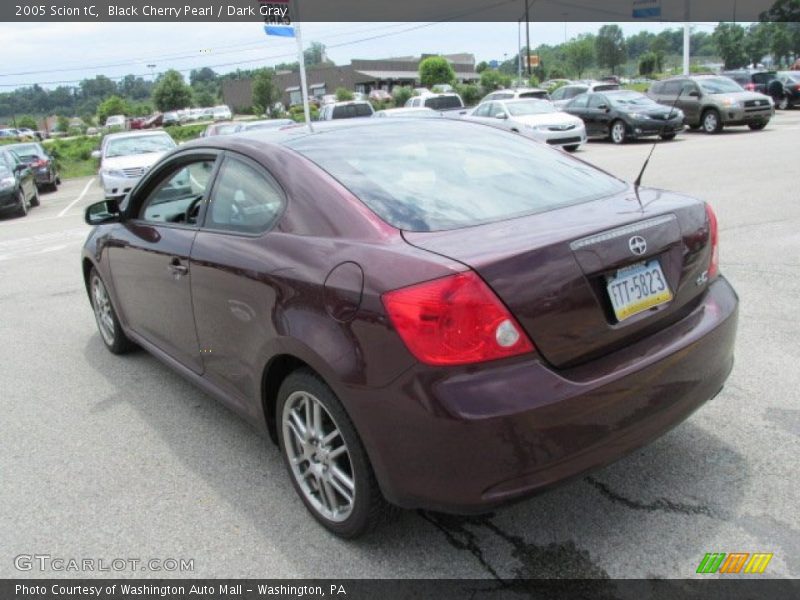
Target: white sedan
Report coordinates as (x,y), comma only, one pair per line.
(125,157)
(536,119)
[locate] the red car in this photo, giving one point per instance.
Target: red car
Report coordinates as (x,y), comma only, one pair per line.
(460,320)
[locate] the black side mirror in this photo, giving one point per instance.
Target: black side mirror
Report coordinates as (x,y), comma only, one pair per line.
(105,211)
(603,107)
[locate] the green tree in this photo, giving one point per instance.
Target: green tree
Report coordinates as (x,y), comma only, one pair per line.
(729,40)
(27,122)
(436,69)
(315,55)
(648,63)
(580,54)
(171,92)
(481,66)
(204,75)
(265,93)
(401,94)
(62,124)
(756,42)
(491,80)
(113,105)
(343,94)
(781,43)
(610,47)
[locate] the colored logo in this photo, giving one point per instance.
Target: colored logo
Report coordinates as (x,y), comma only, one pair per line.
(735,562)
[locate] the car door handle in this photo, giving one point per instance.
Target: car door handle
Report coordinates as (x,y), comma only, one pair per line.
(178,269)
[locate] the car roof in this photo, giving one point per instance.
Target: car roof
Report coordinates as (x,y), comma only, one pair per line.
(122,134)
(286,135)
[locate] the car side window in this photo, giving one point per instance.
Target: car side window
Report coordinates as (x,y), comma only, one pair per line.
(558,94)
(482,110)
(581,101)
(671,88)
(595,100)
(244,199)
(178,197)
(688,87)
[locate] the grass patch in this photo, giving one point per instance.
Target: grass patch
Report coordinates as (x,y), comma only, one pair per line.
(74,156)
(637,87)
(184,133)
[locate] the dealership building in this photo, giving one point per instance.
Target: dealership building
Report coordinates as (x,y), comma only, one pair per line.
(359,76)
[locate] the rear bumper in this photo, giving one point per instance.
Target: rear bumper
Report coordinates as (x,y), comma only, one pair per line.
(468,440)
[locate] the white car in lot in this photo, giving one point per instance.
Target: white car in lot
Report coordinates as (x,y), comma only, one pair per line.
(221,113)
(125,157)
(536,119)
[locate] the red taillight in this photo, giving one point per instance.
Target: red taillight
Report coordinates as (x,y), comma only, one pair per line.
(455,320)
(751,87)
(713,236)
(797,87)
(39,163)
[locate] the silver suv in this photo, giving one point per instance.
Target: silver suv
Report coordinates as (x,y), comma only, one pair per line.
(713,102)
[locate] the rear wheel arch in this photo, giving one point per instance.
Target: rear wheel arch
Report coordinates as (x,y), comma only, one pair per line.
(275,372)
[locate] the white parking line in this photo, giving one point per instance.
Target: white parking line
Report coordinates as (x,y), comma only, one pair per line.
(78,199)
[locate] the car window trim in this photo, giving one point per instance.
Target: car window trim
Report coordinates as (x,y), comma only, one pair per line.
(194,155)
(260,169)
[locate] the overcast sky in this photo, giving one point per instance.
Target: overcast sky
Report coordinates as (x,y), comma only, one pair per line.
(68,52)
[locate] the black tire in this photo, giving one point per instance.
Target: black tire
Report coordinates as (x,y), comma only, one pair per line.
(116,342)
(757,126)
(58,180)
(35,199)
(711,122)
(22,209)
(368,507)
(668,136)
(694,127)
(572,148)
(618,132)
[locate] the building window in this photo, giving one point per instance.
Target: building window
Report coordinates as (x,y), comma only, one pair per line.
(295,97)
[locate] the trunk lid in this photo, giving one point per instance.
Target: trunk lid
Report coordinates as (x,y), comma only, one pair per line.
(551,268)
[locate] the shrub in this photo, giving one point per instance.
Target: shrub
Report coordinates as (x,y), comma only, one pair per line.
(343,94)
(401,94)
(470,93)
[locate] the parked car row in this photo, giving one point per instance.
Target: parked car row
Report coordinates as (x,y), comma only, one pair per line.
(18,191)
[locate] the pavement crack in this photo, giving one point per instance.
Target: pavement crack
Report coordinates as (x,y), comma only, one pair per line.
(660,504)
(460,537)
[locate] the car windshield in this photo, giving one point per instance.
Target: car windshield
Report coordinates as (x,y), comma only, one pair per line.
(630,99)
(719,85)
(273,124)
(793,75)
(529,107)
(143,144)
(448,175)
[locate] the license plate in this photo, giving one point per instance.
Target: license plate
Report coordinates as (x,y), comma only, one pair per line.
(637,288)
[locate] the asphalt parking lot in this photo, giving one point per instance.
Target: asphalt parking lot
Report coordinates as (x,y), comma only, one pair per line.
(109,457)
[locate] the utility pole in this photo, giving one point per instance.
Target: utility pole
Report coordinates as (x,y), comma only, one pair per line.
(519,49)
(527,38)
(687,37)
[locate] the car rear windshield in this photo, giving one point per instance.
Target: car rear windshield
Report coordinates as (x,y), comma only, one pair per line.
(348,111)
(605,87)
(25,151)
(443,102)
(630,99)
(540,94)
(449,175)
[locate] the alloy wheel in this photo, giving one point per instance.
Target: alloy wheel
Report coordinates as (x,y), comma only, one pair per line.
(710,122)
(103,311)
(618,132)
(23,204)
(783,103)
(318,456)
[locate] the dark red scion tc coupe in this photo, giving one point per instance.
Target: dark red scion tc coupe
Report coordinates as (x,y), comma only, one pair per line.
(456,321)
